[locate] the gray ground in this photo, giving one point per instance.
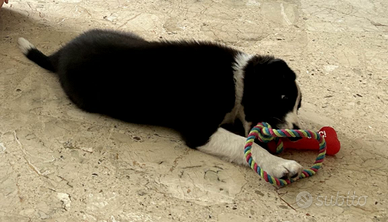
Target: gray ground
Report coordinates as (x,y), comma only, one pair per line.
(58,163)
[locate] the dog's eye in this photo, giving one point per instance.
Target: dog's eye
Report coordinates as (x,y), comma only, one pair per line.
(284,97)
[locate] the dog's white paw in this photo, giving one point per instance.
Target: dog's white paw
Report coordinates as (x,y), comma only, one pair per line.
(283,169)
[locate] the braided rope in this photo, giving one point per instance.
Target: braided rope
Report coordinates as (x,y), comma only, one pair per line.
(265,133)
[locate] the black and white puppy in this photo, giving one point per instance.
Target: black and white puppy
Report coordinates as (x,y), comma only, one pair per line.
(193,87)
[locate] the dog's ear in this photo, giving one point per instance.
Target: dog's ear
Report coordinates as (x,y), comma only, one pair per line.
(265,68)
(278,69)
(267,71)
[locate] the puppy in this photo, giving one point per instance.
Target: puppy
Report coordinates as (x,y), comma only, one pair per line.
(193,87)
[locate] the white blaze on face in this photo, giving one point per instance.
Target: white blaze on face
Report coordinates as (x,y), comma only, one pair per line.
(292,117)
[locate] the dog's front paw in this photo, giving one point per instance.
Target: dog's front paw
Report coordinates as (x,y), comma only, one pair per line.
(283,169)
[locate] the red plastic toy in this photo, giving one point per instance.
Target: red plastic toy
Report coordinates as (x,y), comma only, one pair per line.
(333,145)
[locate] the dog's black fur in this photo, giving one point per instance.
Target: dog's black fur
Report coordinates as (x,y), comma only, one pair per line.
(186,85)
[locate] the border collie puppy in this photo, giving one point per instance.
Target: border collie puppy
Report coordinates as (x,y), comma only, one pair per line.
(193,87)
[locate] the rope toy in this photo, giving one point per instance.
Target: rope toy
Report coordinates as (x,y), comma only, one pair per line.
(264,133)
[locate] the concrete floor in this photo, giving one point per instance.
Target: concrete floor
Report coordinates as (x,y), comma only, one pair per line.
(58,163)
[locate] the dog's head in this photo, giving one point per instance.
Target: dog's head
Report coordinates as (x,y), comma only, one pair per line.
(271,93)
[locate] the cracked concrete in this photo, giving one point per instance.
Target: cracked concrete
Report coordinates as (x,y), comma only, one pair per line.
(58,163)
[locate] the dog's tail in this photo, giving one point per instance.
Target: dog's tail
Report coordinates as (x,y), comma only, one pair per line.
(36,56)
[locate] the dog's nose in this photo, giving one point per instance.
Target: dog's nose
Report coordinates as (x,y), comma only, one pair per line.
(294,126)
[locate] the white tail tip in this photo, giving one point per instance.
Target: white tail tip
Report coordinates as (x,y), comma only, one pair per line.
(25,45)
